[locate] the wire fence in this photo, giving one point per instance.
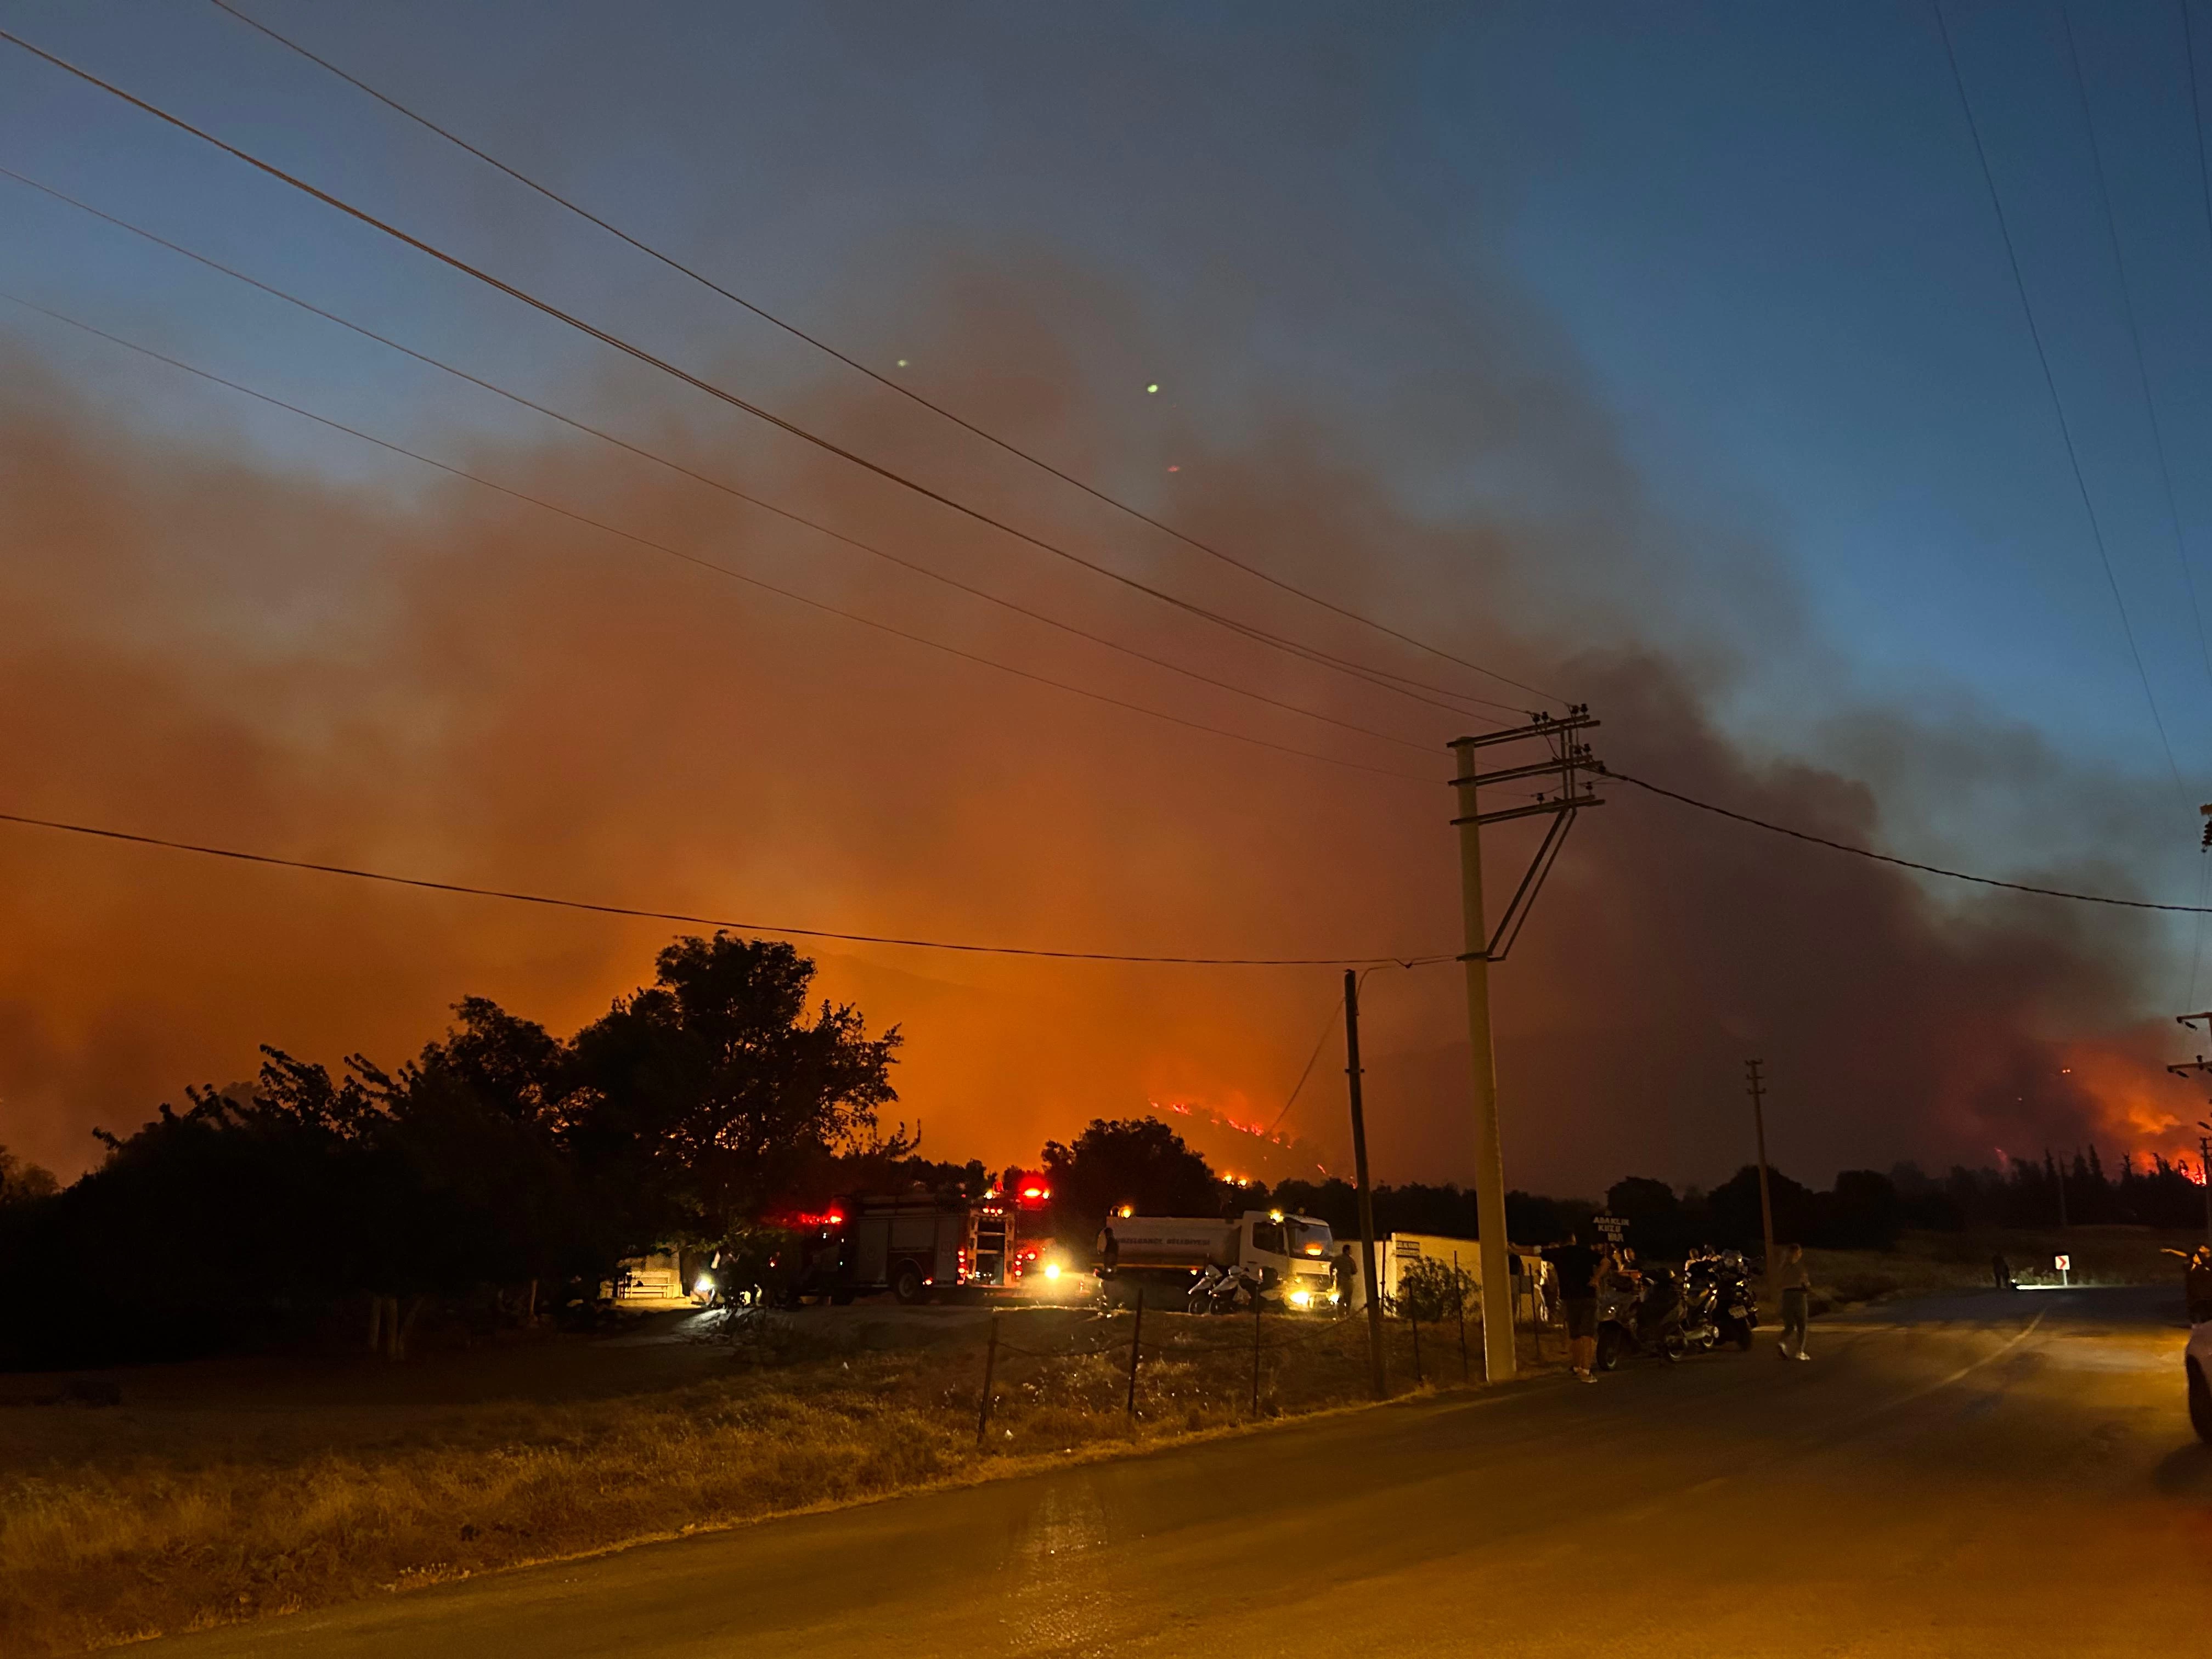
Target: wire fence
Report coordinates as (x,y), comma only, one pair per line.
(1155,1363)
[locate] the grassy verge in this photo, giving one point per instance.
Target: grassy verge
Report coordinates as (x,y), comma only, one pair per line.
(1936,1264)
(121,1524)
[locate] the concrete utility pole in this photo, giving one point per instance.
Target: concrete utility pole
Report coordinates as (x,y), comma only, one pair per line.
(1569,757)
(1757,1090)
(1368,1279)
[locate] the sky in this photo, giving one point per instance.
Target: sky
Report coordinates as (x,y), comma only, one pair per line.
(1671,360)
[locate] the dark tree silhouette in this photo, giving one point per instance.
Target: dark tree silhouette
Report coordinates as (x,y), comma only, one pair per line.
(1135,1161)
(697,1101)
(22,1181)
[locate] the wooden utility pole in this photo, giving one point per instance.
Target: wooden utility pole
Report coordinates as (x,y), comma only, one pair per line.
(1378,1380)
(1757,1089)
(2200,1065)
(2204,1170)
(1569,759)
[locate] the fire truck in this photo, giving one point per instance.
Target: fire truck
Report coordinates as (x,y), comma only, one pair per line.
(922,1246)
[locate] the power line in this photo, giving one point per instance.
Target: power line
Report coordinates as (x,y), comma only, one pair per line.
(2050,384)
(2135,337)
(2150,403)
(712,482)
(704,921)
(854,363)
(693,558)
(1905,864)
(640,355)
(1321,1042)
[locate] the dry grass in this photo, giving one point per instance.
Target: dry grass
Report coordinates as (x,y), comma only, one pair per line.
(135,1522)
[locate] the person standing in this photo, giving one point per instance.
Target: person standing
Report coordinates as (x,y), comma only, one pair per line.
(1576,1266)
(1796,1286)
(1345,1271)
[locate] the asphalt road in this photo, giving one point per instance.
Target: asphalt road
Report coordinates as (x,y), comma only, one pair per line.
(1991,1475)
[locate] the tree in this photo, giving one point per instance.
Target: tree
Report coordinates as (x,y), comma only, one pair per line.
(22,1181)
(1863,1212)
(1734,1207)
(1139,1162)
(480,1120)
(697,1099)
(1432,1291)
(1658,1223)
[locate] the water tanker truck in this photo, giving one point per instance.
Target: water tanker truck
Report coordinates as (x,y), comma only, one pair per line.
(1289,1253)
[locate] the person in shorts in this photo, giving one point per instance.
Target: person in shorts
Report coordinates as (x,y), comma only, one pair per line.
(1576,1266)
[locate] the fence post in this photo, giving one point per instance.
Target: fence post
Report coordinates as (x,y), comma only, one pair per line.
(990,1363)
(1256,1356)
(1459,1301)
(1413,1315)
(1136,1339)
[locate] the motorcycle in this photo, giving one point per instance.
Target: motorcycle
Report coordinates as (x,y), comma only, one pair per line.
(1643,1316)
(1734,1310)
(1237,1291)
(1200,1299)
(1222,1290)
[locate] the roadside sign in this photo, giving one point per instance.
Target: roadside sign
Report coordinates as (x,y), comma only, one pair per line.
(1612,1226)
(2063,1263)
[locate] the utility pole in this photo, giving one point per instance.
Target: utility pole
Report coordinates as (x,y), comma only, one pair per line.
(1757,1089)
(2204,1170)
(1367,1278)
(1568,760)
(2198,1065)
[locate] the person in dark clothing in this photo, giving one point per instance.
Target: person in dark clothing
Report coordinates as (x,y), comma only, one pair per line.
(2197,1282)
(1576,1266)
(1797,1287)
(1345,1270)
(2001,1271)
(1109,1251)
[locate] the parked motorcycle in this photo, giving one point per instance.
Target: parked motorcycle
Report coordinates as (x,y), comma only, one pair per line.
(1200,1300)
(1240,1287)
(1734,1310)
(1223,1291)
(1643,1316)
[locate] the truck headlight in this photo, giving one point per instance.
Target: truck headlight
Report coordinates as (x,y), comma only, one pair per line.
(1301,1298)
(1051,1270)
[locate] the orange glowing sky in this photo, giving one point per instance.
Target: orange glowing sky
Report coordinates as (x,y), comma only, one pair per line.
(226,625)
